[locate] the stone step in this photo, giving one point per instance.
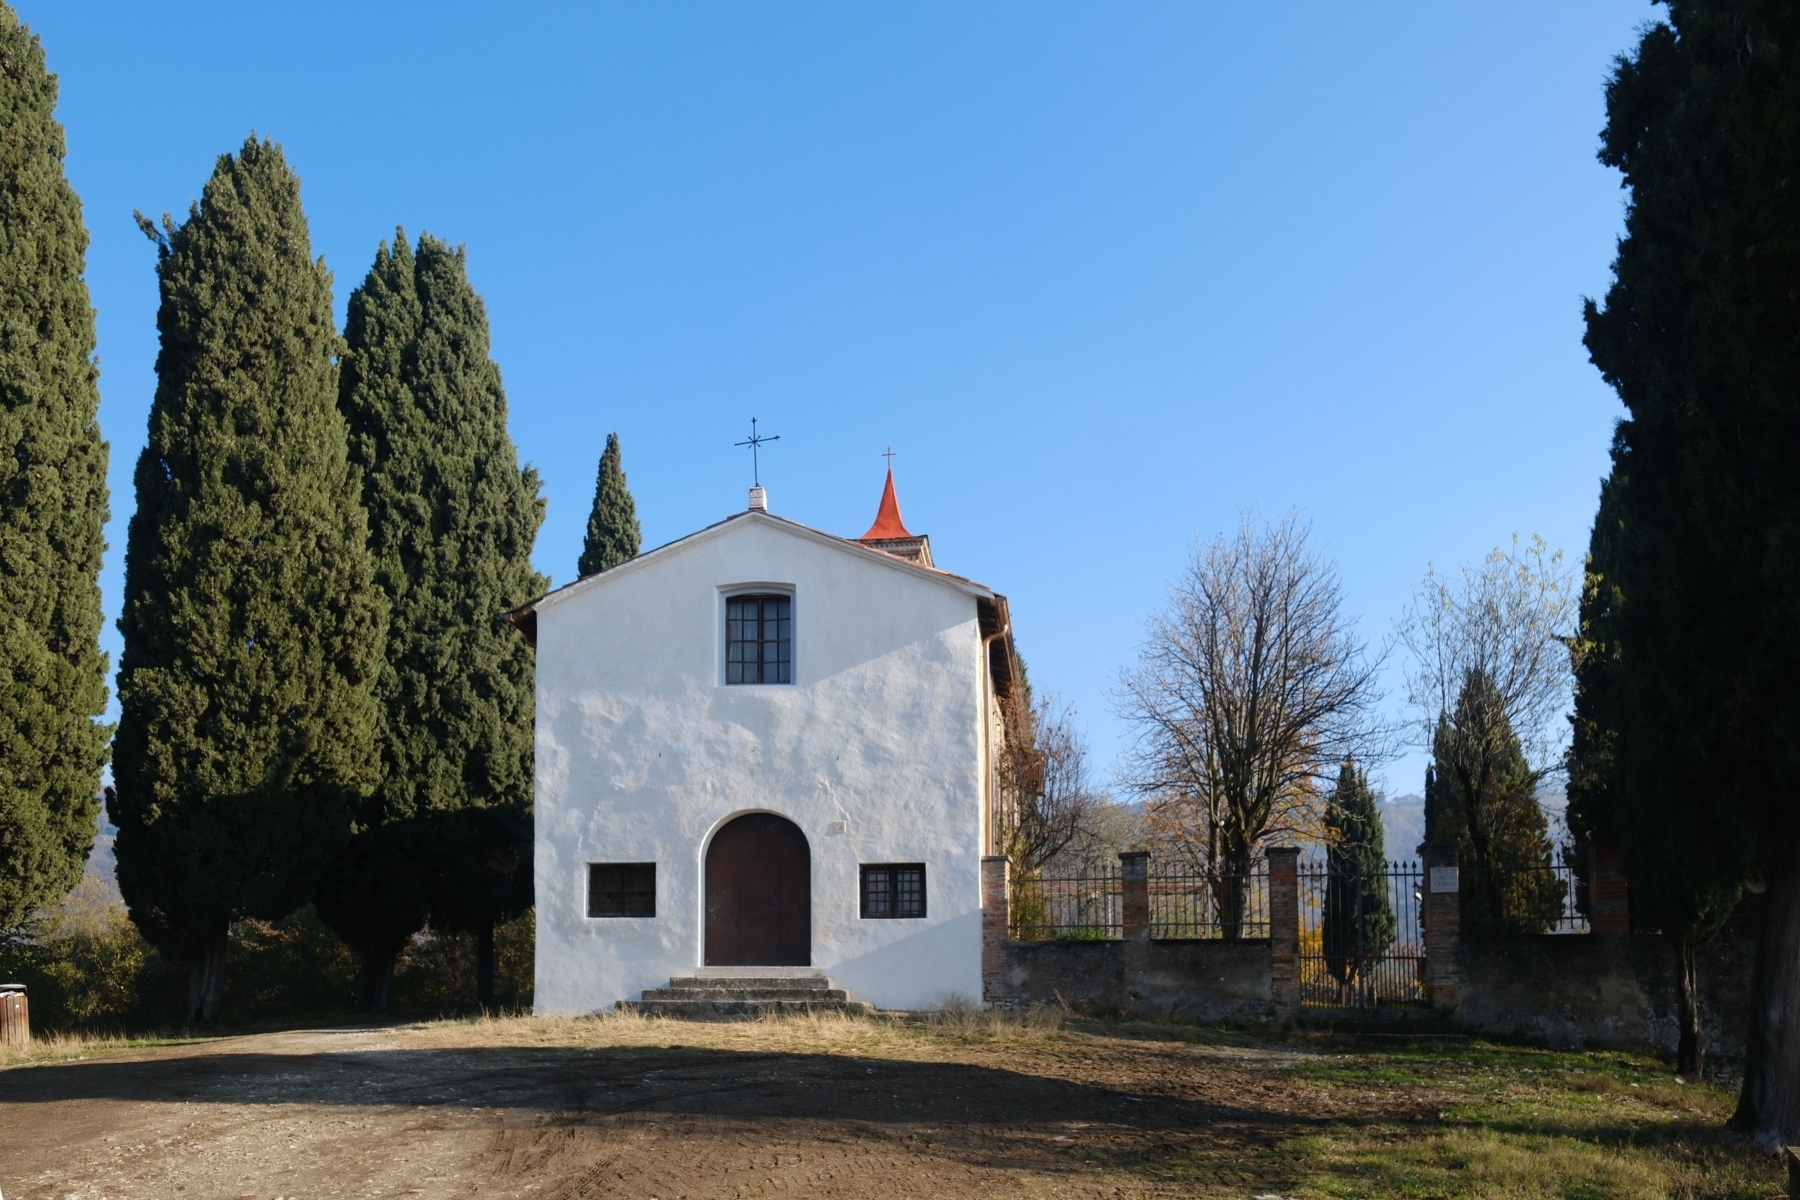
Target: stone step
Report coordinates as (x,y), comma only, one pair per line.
(811,995)
(740,1008)
(725,996)
(749,981)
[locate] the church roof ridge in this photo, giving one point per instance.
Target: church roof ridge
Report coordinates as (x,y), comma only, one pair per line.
(525,615)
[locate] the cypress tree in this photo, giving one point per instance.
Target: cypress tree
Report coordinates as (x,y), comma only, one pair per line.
(1482,794)
(1688,657)
(452,519)
(613,536)
(252,624)
(53,485)
(1358,922)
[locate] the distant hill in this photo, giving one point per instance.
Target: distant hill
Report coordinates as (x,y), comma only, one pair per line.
(1403,823)
(1403,827)
(102,864)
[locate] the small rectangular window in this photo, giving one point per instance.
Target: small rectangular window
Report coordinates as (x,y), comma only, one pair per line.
(621,889)
(893,890)
(759,639)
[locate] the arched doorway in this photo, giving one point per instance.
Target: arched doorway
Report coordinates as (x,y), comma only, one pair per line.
(759,894)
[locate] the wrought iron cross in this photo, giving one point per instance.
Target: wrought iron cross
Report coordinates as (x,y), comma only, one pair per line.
(753,441)
(890,456)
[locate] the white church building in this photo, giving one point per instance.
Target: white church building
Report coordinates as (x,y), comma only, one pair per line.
(766,750)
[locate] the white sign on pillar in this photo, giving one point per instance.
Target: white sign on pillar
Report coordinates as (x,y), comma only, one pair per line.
(1444,880)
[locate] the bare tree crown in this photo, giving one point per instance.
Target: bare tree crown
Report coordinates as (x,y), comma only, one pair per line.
(1251,687)
(1507,620)
(1046,801)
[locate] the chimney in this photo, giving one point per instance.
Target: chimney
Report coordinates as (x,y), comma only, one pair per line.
(759,499)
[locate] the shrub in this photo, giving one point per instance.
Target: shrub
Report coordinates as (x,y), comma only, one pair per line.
(85,965)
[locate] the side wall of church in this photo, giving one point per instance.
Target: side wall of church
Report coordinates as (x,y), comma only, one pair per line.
(874,751)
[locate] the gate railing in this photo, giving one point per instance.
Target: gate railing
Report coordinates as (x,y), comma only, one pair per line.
(1190,904)
(1361,940)
(1085,904)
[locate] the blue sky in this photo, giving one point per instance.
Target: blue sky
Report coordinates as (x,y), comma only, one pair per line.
(1102,274)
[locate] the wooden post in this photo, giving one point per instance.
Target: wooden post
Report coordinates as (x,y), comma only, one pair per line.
(1791,1156)
(996,911)
(1609,895)
(15,1016)
(1441,914)
(1134,886)
(1284,930)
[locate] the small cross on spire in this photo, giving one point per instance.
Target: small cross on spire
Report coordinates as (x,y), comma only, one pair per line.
(890,456)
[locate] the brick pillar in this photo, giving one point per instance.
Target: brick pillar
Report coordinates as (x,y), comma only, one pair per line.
(1441,914)
(996,910)
(1284,930)
(1609,896)
(1134,885)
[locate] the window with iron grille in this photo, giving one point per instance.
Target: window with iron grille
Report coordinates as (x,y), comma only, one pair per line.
(893,890)
(621,889)
(759,639)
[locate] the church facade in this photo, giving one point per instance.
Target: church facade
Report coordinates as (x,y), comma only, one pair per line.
(764,748)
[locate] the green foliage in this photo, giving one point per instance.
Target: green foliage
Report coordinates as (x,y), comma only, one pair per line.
(88,969)
(452,519)
(613,536)
(1687,713)
(85,965)
(1481,794)
(252,623)
(436,971)
(52,501)
(1685,707)
(288,968)
(1358,923)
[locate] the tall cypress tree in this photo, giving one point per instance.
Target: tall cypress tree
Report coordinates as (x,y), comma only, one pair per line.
(452,519)
(613,536)
(52,501)
(1358,922)
(1693,646)
(253,626)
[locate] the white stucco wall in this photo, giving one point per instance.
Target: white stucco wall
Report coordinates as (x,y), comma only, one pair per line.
(643,753)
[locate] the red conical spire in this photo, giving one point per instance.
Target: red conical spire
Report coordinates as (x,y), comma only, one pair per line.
(887,519)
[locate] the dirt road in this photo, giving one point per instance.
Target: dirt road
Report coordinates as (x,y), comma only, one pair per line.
(645,1108)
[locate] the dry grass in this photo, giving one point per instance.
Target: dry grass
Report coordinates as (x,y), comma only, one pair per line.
(1403,1117)
(66,1047)
(900,1035)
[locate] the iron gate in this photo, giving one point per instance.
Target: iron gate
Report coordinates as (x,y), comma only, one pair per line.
(1361,943)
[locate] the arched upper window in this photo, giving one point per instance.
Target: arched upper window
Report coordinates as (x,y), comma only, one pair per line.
(759,639)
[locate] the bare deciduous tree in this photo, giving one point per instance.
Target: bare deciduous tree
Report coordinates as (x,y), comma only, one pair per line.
(1045,797)
(1506,620)
(1249,691)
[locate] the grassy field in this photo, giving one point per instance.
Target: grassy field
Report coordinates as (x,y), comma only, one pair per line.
(1518,1121)
(960,1103)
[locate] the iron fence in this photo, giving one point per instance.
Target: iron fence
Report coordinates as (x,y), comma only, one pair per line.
(1185,903)
(1361,940)
(1085,904)
(1525,900)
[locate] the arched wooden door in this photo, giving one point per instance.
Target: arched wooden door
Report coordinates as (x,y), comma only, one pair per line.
(759,894)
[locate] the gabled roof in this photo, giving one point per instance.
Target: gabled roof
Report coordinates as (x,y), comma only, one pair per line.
(994,616)
(524,617)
